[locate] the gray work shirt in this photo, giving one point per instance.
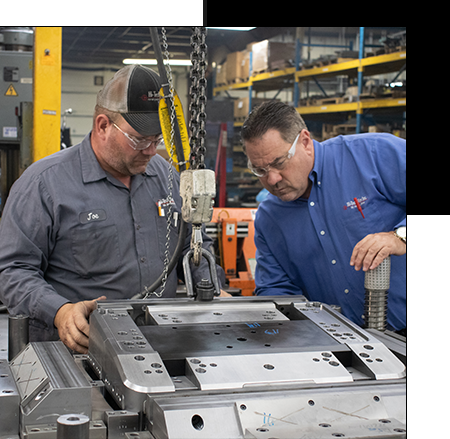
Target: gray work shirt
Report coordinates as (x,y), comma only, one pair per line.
(70,231)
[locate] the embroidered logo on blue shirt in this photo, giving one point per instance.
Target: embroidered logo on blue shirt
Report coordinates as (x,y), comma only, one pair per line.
(352,205)
(92,215)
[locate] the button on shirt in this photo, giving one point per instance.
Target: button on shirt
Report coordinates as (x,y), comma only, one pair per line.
(304,246)
(70,232)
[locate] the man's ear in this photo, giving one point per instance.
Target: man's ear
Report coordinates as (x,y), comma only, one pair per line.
(101,125)
(306,139)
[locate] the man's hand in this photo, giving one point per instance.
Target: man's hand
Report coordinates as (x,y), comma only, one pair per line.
(373,249)
(73,326)
(223,293)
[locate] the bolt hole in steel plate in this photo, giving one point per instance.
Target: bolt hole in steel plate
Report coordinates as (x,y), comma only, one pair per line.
(197,422)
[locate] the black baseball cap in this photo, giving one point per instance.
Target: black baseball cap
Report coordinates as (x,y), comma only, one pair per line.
(134,93)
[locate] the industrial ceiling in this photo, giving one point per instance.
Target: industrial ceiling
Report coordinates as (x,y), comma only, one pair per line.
(109,45)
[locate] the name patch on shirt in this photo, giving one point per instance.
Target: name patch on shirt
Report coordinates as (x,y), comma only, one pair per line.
(92,215)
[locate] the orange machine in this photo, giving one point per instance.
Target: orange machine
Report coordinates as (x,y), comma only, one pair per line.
(235,233)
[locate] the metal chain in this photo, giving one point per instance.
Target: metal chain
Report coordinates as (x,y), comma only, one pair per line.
(197,123)
(197,110)
(198,97)
(169,198)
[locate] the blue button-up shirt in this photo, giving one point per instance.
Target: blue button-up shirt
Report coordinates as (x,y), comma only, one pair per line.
(304,246)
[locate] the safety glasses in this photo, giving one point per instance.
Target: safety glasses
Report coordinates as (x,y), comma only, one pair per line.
(139,144)
(278,164)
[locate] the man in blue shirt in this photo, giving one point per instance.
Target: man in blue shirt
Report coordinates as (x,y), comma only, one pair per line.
(335,210)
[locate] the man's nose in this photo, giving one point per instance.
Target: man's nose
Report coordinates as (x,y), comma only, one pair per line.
(273,177)
(151,150)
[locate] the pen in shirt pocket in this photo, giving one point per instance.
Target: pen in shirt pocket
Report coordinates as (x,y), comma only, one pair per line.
(160,208)
(359,207)
(161,212)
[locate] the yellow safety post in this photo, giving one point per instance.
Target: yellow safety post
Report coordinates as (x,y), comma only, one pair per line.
(46,91)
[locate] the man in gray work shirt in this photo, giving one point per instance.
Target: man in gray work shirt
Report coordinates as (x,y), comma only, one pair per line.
(83,224)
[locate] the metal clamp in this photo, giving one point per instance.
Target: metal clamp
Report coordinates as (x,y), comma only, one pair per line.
(212,270)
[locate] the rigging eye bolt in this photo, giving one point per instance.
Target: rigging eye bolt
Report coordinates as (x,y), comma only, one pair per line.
(204,290)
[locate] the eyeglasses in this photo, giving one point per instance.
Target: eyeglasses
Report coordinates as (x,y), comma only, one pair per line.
(139,144)
(278,164)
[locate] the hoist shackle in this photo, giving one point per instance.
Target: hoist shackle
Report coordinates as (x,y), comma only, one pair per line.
(212,270)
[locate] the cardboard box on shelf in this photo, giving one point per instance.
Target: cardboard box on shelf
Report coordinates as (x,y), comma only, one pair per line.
(241,107)
(235,72)
(221,74)
(268,55)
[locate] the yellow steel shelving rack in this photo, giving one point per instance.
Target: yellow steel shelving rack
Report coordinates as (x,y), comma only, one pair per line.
(373,65)
(369,66)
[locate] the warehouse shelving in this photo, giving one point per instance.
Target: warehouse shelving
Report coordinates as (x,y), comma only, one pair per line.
(372,65)
(353,106)
(292,77)
(369,66)
(261,81)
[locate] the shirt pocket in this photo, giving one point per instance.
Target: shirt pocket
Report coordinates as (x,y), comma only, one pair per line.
(161,222)
(95,250)
(358,227)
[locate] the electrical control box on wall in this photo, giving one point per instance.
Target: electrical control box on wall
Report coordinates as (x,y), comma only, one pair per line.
(16,86)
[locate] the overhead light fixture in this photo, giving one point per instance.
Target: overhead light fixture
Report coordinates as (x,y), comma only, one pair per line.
(153,62)
(232,28)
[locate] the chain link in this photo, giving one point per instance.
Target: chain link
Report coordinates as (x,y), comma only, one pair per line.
(197,108)
(170,184)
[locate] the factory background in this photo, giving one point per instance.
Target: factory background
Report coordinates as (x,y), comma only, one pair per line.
(242,366)
(342,80)
(323,86)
